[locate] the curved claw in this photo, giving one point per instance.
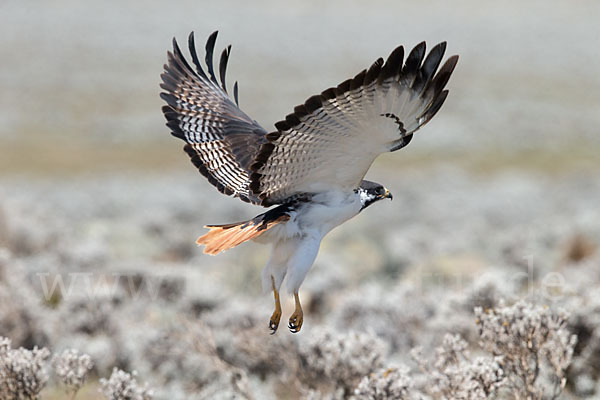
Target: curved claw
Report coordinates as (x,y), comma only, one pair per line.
(294,328)
(274,321)
(297,318)
(295,325)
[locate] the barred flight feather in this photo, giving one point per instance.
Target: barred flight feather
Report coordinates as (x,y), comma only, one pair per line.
(222,139)
(340,132)
(327,143)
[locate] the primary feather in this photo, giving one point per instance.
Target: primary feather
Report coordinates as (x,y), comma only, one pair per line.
(329,141)
(313,164)
(221,139)
(340,132)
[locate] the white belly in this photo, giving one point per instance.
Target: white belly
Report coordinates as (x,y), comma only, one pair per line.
(327,211)
(296,242)
(316,218)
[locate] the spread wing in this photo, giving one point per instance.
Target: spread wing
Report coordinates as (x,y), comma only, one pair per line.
(222,140)
(332,139)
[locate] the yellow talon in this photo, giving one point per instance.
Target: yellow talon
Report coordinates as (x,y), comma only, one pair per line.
(297,318)
(276,317)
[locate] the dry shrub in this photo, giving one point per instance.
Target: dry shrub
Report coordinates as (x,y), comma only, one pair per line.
(23,375)
(22,372)
(532,346)
(390,383)
(72,368)
(455,374)
(123,386)
(382,312)
(334,364)
(584,372)
(187,359)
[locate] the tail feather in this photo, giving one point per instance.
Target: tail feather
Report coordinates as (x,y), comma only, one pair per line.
(223,237)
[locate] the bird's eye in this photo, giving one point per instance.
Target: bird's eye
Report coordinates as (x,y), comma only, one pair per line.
(380,190)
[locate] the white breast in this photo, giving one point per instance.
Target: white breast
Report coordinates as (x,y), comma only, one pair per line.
(316,218)
(296,242)
(328,210)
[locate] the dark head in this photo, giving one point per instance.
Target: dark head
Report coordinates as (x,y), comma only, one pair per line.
(370,192)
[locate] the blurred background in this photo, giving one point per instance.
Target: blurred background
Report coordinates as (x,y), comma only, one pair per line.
(502,184)
(80,80)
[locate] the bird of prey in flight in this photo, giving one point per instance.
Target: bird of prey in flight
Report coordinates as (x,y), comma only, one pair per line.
(311,166)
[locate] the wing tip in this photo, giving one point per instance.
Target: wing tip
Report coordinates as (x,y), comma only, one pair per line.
(373,72)
(358,80)
(393,64)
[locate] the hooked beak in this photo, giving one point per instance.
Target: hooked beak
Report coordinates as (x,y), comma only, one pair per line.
(387,195)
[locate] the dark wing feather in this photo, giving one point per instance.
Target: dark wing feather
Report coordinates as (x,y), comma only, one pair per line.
(210,49)
(331,140)
(222,141)
(223,66)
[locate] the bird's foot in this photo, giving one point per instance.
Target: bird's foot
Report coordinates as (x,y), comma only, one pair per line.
(274,321)
(295,323)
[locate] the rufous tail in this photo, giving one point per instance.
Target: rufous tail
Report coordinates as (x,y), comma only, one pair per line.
(224,237)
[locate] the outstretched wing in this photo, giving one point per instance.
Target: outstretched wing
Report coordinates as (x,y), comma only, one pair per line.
(222,140)
(332,139)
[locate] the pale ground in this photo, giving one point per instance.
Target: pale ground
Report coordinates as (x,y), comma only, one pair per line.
(498,185)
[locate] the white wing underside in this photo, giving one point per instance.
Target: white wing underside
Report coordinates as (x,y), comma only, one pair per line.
(327,144)
(332,144)
(334,148)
